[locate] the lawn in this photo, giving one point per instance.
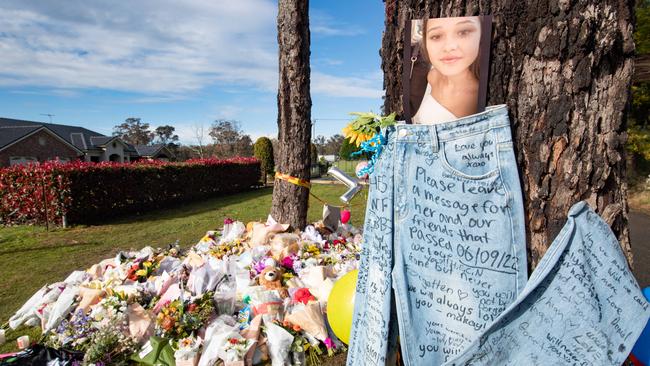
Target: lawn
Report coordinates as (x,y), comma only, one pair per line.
(31,257)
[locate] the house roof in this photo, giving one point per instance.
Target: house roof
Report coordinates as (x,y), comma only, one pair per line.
(11,134)
(82,138)
(152,150)
(77,136)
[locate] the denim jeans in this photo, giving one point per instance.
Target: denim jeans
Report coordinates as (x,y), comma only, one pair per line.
(444,249)
(581,306)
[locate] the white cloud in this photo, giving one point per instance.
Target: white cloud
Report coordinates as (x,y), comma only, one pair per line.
(152,47)
(323,24)
(358,87)
(163,50)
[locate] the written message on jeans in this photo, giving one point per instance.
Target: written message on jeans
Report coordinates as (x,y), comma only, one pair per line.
(582,306)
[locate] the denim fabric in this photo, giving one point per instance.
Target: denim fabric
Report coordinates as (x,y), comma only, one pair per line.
(444,243)
(581,306)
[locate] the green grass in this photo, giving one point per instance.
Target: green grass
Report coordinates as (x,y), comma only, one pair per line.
(31,257)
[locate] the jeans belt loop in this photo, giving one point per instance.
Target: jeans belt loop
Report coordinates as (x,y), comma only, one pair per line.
(434,139)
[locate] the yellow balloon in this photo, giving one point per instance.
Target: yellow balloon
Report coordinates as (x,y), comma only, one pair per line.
(340,305)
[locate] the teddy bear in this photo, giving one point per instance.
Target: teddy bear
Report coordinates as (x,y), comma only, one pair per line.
(271,279)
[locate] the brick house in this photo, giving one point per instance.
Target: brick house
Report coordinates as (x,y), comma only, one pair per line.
(27,141)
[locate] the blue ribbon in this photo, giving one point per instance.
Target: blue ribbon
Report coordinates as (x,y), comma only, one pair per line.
(374,146)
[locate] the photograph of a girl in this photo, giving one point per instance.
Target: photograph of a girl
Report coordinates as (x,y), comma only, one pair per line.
(445,68)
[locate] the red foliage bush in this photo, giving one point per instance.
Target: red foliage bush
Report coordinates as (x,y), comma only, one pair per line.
(90,192)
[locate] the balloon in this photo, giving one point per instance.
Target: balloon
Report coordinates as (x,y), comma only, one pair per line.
(351,182)
(340,305)
(345,216)
(360,166)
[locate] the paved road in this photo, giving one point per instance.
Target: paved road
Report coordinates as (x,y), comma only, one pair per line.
(640,237)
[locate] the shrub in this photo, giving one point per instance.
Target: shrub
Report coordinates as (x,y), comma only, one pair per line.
(88,192)
(263,151)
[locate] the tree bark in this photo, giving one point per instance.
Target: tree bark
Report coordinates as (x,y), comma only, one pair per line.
(294,113)
(564,69)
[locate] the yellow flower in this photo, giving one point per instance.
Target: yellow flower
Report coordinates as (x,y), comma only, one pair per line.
(146,264)
(355,137)
(141,272)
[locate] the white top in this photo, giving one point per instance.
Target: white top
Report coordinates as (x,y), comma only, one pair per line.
(431,111)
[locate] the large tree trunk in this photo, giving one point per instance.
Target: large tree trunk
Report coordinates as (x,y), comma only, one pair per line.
(294,113)
(564,68)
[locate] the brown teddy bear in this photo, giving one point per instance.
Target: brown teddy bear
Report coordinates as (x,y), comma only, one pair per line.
(271,279)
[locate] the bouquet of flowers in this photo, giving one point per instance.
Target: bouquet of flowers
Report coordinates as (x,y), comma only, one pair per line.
(73,334)
(187,352)
(110,345)
(108,310)
(179,319)
(141,270)
(236,348)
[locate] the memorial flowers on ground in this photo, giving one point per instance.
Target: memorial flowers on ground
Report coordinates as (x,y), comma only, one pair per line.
(242,294)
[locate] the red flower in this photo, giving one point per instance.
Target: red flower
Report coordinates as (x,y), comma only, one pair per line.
(303,295)
(192,307)
(233,340)
(130,274)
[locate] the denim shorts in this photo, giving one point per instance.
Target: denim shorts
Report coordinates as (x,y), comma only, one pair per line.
(444,250)
(581,306)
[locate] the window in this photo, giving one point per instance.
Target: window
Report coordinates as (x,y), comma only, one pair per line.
(42,140)
(17,160)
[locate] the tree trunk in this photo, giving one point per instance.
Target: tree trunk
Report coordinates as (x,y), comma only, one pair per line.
(294,113)
(564,69)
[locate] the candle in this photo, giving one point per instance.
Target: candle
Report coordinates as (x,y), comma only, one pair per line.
(23,342)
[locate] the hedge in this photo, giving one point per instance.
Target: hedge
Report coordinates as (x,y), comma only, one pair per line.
(86,193)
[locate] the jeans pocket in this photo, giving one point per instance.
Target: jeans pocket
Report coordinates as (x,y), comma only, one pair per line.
(472,156)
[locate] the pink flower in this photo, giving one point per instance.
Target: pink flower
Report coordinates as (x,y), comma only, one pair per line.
(227,221)
(287,262)
(329,343)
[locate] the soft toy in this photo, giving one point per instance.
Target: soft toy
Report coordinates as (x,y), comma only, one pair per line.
(271,279)
(283,245)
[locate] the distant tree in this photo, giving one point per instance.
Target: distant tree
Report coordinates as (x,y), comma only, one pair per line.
(244,146)
(320,143)
(229,139)
(165,135)
(642,31)
(199,135)
(134,132)
(264,152)
(333,145)
(347,149)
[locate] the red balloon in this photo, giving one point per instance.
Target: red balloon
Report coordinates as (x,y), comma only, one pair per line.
(345,216)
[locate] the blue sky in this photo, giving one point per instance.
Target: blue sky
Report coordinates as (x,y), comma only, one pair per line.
(183,63)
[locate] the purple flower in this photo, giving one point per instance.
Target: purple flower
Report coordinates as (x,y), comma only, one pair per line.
(259,266)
